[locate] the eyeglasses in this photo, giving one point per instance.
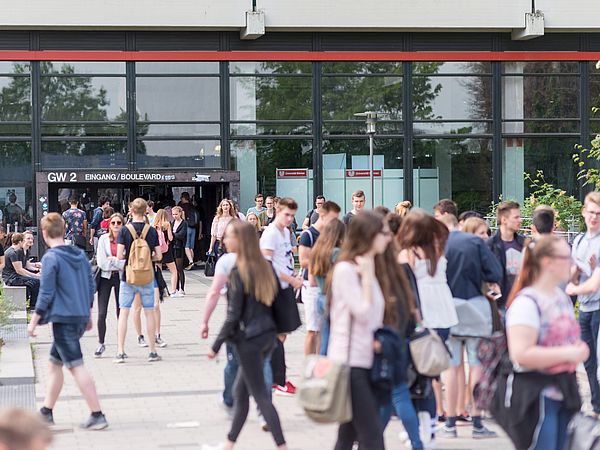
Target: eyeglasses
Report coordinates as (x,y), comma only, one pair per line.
(116,222)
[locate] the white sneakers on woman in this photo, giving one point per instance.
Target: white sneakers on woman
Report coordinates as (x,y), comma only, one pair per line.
(178,294)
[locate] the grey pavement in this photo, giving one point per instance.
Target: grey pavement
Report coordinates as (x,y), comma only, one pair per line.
(173,403)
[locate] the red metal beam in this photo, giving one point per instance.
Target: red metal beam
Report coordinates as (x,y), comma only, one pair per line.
(68,55)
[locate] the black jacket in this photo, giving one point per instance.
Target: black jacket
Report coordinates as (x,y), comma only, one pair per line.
(495,245)
(246,316)
(179,235)
(519,412)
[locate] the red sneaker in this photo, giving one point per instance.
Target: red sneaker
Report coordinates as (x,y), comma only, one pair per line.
(288,389)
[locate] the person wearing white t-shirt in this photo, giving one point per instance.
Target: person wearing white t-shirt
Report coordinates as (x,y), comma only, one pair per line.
(276,246)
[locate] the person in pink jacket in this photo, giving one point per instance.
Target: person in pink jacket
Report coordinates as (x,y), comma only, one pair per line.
(357,308)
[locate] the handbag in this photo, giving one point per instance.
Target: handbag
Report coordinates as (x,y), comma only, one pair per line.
(324,388)
(96,273)
(583,433)
(285,311)
(209,267)
(429,354)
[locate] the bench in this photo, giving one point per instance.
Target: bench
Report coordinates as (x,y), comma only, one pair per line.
(17,295)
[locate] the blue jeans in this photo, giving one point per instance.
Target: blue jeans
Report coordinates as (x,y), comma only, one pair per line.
(589,323)
(553,431)
(230,372)
(406,411)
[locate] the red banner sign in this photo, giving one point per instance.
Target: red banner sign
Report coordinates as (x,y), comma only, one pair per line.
(292,173)
(362,173)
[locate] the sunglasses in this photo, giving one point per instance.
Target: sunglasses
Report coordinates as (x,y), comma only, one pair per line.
(116,222)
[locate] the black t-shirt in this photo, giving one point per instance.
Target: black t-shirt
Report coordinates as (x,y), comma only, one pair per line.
(126,239)
(191,215)
(308,238)
(11,256)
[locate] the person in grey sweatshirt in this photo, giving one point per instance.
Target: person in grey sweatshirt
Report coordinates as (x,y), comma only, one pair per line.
(65,300)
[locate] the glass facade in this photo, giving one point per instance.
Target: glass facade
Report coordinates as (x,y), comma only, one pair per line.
(463,130)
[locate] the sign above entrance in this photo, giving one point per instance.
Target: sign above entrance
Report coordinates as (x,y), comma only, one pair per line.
(125,177)
(292,173)
(362,173)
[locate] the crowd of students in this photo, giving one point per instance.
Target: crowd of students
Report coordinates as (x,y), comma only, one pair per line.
(445,272)
(374,270)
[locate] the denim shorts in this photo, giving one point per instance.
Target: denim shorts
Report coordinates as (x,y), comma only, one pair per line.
(66,350)
(455,345)
(127,295)
(191,237)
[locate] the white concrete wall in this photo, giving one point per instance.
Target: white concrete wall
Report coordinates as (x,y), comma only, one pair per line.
(576,15)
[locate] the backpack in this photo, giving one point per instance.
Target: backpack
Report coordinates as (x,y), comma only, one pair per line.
(162,242)
(139,270)
(192,217)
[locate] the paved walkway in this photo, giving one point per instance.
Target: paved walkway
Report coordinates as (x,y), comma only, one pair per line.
(173,404)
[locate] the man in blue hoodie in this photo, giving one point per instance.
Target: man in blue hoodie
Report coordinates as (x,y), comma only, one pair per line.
(65,300)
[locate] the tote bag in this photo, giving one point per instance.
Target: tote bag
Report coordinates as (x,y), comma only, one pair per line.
(209,267)
(285,311)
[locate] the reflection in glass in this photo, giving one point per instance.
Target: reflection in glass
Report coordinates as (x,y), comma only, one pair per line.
(82,67)
(345,96)
(271,129)
(258,160)
(539,97)
(271,98)
(84,154)
(186,129)
(464,171)
(270,67)
(473,67)
(182,99)
(362,67)
(183,153)
(177,67)
(357,127)
(83,98)
(83,129)
(15,99)
(15,161)
(10,67)
(541,67)
(420,128)
(553,156)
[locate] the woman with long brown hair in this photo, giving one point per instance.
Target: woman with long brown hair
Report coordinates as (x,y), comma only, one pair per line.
(162,225)
(544,336)
(250,327)
(225,214)
(111,266)
(357,308)
(322,258)
(179,230)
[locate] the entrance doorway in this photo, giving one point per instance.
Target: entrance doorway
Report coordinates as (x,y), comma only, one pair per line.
(206,189)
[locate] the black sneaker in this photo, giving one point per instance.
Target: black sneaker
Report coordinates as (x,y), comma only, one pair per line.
(120,358)
(142,341)
(153,356)
(99,351)
(95,423)
(47,417)
(464,417)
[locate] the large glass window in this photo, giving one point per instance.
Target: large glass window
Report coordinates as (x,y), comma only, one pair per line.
(540,124)
(353,87)
(271,100)
(178,113)
(595,98)
(452,98)
(16,168)
(84,114)
(456,168)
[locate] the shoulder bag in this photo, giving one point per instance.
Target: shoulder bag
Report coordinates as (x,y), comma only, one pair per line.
(324,389)
(285,311)
(583,433)
(429,354)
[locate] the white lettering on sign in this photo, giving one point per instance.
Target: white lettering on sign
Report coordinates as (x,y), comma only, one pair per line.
(57,177)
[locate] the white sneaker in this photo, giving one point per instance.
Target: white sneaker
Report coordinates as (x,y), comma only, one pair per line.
(176,294)
(424,427)
(403,435)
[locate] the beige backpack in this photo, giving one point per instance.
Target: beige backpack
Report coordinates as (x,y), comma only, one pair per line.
(139,270)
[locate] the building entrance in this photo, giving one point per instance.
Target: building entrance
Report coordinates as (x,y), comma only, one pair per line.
(206,189)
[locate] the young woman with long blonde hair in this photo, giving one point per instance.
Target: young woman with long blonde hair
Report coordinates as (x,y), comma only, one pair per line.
(162,225)
(225,214)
